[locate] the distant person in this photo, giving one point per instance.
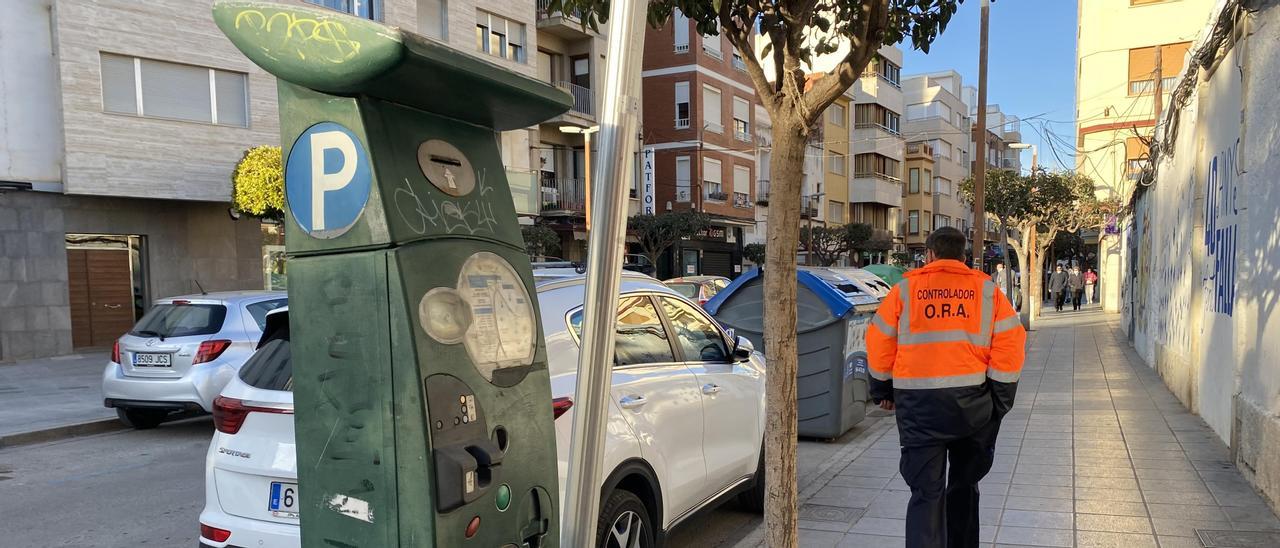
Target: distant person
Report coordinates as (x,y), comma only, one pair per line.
(945,351)
(1058,287)
(1090,282)
(1001,278)
(1075,282)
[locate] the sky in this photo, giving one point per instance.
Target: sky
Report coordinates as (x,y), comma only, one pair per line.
(1030,65)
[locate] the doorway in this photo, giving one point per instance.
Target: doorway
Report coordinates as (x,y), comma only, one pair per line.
(106,285)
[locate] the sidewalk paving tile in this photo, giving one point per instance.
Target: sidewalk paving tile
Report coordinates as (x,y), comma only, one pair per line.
(1097,452)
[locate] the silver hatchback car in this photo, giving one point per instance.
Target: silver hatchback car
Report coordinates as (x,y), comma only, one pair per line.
(182,353)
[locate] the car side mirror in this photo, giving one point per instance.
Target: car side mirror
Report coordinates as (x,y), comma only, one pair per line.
(742,349)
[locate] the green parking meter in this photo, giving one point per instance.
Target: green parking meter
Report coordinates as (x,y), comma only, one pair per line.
(420,376)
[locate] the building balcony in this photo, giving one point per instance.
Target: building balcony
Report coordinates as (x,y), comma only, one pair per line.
(762,192)
(583,98)
(808,212)
(742,200)
(563,197)
(878,139)
(717,196)
(682,123)
(568,26)
(876,188)
(738,63)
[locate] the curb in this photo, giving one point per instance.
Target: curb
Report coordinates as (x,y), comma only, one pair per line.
(61,432)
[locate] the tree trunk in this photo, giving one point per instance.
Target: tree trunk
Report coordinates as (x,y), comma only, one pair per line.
(783,234)
(1008,267)
(1041,248)
(1029,271)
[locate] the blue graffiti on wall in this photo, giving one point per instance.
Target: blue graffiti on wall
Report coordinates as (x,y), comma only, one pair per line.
(1221,228)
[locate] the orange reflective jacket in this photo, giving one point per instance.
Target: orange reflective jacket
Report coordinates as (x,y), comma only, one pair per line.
(945,326)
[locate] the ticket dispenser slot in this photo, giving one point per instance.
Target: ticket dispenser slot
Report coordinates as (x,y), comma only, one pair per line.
(468,462)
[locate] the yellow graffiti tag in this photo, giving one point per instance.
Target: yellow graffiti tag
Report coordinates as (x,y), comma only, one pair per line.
(325,39)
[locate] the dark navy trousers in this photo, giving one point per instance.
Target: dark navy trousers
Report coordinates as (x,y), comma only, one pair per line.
(943,477)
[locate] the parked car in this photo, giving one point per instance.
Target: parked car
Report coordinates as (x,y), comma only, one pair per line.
(182,352)
(699,289)
(686,422)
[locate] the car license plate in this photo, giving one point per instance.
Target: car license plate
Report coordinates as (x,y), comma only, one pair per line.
(152,360)
(283,501)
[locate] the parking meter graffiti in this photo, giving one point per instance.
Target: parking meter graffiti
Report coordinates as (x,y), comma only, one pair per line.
(420,375)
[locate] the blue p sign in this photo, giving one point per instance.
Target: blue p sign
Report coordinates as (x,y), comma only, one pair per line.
(327,180)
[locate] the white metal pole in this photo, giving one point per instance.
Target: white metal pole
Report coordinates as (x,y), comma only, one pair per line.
(616,154)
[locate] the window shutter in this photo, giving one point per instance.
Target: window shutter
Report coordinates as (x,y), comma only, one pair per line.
(233,109)
(741,179)
(681,22)
(119,93)
(1171,59)
(1142,64)
(711,108)
(176,91)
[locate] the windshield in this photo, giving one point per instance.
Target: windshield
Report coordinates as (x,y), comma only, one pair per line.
(689,291)
(181,320)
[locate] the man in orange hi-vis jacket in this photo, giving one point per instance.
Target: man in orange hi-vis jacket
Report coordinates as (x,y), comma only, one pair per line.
(945,350)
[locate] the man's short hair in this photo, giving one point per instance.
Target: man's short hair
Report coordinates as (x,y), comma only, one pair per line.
(946,243)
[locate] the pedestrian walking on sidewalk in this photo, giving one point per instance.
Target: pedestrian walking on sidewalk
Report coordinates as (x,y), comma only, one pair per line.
(1075,281)
(1090,281)
(1058,287)
(945,351)
(1001,278)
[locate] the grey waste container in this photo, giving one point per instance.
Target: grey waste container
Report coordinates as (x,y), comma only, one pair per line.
(833,312)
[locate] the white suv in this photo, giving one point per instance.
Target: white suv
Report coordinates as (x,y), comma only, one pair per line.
(686,422)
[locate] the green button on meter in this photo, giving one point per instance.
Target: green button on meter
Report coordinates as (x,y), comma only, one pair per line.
(504,497)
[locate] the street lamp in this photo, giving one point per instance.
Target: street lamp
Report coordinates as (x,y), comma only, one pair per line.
(586,160)
(1028,317)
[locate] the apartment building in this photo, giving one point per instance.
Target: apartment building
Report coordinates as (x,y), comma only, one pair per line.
(937,115)
(877,146)
(1123,48)
(569,56)
(917,198)
(699,112)
(1002,130)
(117,147)
(811,184)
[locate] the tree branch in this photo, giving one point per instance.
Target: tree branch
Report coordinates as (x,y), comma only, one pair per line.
(862,48)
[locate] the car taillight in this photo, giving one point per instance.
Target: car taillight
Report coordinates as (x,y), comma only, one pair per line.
(560,405)
(115,353)
(229,413)
(210,350)
(213,533)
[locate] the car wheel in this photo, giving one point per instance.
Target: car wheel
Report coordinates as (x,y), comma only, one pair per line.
(752,500)
(624,523)
(142,419)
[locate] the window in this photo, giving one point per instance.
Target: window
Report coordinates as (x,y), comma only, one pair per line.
(741,119)
(497,36)
(875,115)
(1142,67)
(741,179)
(711,45)
(888,71)
(924,221)
(913,181)
(681,23)
(698,338)
(835,212)
(682,105)
(368,9)
(875,165)
(258,311)
(433,18)
(711,109)
(837,114)
(942,185)
(1136,155)
(913,222)
(711,186)
(932,109)
(157,89)
(738,63)
(836,163)
(683,179)
(270,367)
(925,178)
(941,149)
(180,320)
(641,339)
(939,221)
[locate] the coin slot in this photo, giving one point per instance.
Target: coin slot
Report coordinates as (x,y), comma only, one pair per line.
(500,438)
(447,161)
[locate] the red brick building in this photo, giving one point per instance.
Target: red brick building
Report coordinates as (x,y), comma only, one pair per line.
(699,108)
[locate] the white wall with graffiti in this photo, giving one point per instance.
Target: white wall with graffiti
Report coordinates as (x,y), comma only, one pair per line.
(1204,247)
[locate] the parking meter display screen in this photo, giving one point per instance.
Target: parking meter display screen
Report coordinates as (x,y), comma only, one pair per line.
(502,336)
